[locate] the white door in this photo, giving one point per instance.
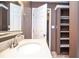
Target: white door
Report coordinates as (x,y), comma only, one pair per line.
(39,18)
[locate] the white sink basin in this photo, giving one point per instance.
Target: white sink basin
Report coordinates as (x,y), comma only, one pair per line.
(29,49)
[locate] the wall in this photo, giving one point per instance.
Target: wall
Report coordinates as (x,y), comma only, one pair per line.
(74,27)
(0,19)
(74,16)
(27,20)
(77,31)
(3,19)
(53,22)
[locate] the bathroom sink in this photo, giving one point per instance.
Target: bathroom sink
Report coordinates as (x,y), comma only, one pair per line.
(29,48)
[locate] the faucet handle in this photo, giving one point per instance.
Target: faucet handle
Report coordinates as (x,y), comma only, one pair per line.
(15,42)
(10,44)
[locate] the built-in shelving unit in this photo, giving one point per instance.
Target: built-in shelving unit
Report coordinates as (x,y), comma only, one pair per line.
(64,31)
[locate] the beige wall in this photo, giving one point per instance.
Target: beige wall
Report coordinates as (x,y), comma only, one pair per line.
(0,19)
(3,19)
(74,28)
(27,20)
(78,31)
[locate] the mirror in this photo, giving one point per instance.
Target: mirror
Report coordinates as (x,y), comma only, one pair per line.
(10,19)
(15,17)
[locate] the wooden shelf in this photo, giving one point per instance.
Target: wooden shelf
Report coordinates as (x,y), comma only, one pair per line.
(64,17)
(64,45)
(64,31)
(64,38)
(64,24)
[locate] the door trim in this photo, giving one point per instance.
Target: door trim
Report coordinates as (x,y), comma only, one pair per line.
(49,27)
(32,22)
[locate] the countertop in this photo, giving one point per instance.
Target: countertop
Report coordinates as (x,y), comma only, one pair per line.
(9,33)
(43,53)
(6,35)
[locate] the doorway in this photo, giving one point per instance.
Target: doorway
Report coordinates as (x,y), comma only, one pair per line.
(41,23)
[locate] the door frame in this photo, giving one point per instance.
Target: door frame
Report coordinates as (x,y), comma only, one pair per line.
(49,11)
(32,22)
(49,26)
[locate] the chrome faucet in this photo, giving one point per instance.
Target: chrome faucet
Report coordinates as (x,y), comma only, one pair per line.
(14,42)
